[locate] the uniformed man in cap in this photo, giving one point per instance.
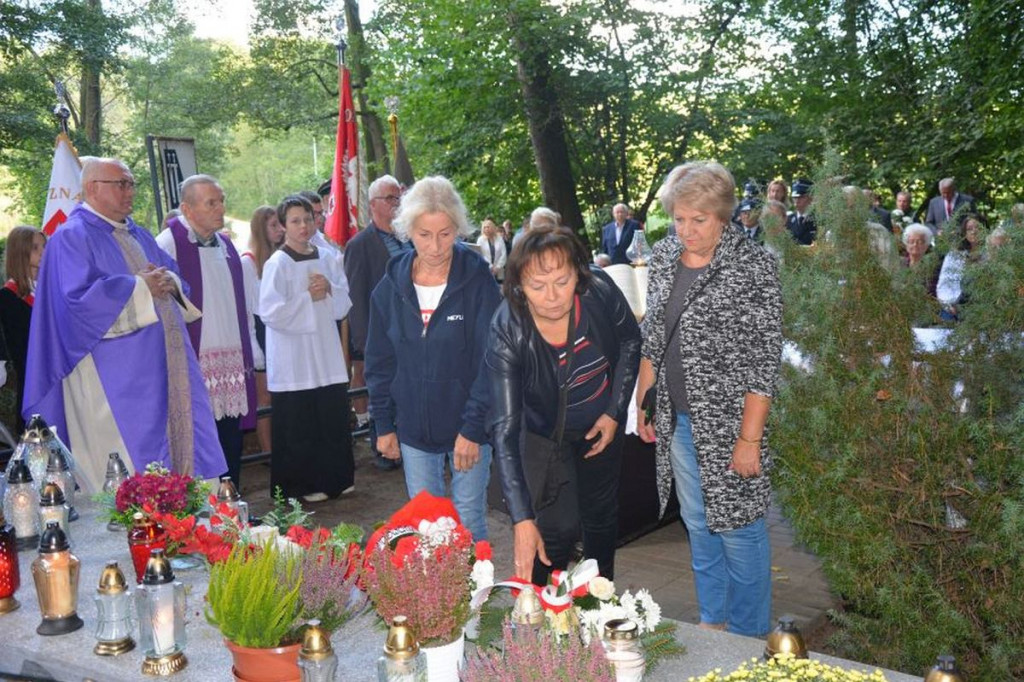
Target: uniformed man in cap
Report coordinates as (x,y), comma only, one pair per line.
(751,190)
(750,219)
(799,224)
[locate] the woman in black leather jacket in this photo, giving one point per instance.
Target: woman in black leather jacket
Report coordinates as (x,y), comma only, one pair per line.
(553,491)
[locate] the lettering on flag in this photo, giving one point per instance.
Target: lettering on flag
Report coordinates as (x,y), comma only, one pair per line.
(65,190)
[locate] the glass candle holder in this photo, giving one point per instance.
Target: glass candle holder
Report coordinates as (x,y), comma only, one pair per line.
(117,473)
(32,450)
(59,471)
(145,536)
(228,494)
(113,601)
(317,661)
(402,660)
(622,646)
(21,504)
(10,573)
(160,603)
(52,507)
(55,572)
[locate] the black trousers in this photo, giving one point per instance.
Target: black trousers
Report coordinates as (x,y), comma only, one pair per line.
(229,433)
(587,503)
(311,447)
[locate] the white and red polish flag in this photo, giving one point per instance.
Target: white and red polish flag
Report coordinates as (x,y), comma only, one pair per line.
(343,204)
(65,189)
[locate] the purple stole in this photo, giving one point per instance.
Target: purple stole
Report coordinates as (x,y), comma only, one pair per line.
(188,263)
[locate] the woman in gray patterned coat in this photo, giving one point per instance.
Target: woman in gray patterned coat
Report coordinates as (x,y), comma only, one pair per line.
(713,339)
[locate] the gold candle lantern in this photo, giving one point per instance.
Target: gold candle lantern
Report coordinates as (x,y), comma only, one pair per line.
(785,639)
(402,660)
(55,572)
(945,670)
(317,661)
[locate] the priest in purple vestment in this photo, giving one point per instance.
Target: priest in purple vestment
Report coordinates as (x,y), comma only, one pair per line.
(109,362)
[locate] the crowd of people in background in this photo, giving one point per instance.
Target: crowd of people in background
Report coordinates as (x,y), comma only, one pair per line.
(511,347)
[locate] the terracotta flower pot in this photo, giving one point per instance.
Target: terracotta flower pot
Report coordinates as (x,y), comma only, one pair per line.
(280,664)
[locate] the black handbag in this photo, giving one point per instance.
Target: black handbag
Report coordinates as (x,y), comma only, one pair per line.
(546,459)
(650,400)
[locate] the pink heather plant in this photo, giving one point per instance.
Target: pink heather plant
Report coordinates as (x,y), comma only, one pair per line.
(540,657)
(432,591)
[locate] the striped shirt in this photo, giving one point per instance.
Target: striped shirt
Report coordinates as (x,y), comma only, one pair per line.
(590,381)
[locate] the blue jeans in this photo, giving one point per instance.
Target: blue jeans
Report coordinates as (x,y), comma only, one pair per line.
(425,471)
(731,569)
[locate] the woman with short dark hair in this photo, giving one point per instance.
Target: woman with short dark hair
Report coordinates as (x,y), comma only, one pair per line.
(303,294)
(562,359)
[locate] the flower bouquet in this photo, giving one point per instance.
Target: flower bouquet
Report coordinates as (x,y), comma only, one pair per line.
(785,668)
(155,490)
(580,602)
(423,564)
(539,655)
(265,585)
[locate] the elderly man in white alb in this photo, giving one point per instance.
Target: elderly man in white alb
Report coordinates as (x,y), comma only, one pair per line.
(224,338)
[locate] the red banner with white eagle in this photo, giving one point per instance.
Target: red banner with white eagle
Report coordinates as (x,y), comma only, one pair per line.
(343,204)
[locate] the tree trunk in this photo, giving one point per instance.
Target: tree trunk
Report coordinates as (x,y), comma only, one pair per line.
(375,147)
(90,106)
(547,127)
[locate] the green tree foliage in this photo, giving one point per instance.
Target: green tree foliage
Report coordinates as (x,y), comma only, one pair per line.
(40,44)
(876,445)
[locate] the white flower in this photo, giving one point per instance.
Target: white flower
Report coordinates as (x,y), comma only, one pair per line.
(602,588)
(438,532)
(628,602)
(262,535)
(482,575)
(650,611)
(606,612)
(287,548)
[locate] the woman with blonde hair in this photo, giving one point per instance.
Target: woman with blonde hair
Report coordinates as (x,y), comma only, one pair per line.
(22,257)
(712,343)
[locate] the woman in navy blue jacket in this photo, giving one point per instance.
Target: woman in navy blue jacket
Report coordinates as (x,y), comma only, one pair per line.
(429,322)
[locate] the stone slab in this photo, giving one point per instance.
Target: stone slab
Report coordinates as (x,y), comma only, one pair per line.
(69,658)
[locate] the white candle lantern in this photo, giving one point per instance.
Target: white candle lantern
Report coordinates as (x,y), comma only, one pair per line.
(113,601)
(160,601)
(21,504)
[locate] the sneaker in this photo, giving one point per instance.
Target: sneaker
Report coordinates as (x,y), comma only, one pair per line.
(314,497)
(349,490)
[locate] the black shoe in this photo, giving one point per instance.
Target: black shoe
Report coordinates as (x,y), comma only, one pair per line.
(385,464)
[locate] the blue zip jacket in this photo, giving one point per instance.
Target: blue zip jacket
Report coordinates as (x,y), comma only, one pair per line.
(425,381)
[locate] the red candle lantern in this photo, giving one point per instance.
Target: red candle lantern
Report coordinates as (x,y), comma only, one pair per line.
(144,536)
(10,575)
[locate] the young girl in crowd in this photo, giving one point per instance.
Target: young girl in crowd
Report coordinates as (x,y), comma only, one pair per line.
(23,254)
(266,234)
(302,295)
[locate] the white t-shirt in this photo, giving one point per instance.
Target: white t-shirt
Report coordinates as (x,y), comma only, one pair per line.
(429,297)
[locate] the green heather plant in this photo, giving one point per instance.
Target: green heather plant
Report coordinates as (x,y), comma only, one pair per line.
(253,598)
(882,449)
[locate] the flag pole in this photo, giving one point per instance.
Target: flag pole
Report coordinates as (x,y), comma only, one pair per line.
(61,111)
(341,46)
